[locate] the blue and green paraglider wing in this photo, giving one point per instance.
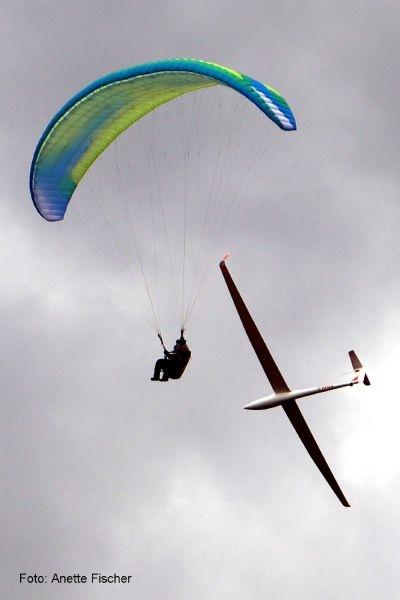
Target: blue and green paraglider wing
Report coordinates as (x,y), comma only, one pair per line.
(98,114)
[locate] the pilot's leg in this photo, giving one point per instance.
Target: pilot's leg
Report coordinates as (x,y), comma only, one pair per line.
(165,370)
(159,366)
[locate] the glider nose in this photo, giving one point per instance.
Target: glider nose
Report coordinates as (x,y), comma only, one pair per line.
(259,404)
(266,402)
(254,405)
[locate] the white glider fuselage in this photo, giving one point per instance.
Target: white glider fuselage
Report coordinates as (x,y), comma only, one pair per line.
(278,399)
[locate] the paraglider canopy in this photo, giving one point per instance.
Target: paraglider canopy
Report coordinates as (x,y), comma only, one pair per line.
(98,114)
(158,196)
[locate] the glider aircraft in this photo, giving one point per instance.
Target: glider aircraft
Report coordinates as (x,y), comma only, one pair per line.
(283,395)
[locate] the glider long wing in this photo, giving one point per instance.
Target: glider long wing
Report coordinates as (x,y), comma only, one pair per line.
(260,348)
(279,385)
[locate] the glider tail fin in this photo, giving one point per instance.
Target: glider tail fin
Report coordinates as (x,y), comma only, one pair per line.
(359,371)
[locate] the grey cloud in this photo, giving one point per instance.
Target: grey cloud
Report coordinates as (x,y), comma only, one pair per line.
(103,470)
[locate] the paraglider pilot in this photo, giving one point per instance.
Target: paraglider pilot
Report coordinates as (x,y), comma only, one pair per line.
(174,363)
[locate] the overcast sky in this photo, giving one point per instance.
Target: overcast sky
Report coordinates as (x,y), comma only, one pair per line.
(106,471)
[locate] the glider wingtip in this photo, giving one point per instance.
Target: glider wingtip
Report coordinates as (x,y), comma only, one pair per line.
(222,262)
(344,501)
